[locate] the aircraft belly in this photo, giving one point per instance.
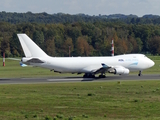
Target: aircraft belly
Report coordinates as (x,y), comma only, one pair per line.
(64,68)
(74,66)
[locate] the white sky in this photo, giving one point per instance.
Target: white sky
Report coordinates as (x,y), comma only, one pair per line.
(90,7)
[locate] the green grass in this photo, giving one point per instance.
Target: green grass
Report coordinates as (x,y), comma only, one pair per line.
(13,69)
(128,100)
(156,68)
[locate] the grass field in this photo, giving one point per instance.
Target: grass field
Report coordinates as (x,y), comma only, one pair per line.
(129,100)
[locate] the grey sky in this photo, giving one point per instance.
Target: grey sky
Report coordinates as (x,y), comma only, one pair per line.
(90,7)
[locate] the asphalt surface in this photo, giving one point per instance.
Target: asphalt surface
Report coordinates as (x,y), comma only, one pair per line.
(75,79)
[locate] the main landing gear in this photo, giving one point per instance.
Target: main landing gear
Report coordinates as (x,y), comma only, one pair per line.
(102,75)
(88,75)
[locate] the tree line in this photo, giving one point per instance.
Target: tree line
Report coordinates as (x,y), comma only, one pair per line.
(45,18)
(83,38)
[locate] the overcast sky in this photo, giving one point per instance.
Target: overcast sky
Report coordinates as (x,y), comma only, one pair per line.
(90,7)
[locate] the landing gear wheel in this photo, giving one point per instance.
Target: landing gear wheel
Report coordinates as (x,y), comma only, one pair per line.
(93,76)
(84,76)
(102,76)
(88,75)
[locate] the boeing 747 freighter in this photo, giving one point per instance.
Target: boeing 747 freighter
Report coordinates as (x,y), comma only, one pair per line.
(90,66)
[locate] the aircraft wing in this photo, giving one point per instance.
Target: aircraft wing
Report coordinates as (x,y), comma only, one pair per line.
(103,68)
(95,69)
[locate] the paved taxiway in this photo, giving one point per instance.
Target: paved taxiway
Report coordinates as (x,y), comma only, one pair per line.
(75,79)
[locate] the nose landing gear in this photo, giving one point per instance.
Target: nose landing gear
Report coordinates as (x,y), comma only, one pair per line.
(140,73)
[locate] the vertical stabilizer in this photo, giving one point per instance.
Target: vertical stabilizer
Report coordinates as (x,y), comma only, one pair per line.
(30,49)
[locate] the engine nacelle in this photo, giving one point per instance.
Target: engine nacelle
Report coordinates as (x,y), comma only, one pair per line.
(119,70)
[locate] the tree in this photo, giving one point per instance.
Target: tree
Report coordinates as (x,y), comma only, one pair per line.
(154,45)
(83,48)
(68,47)
(50,47)
(15,46)
(121,47)
(5,48)
(139,45)
(73,32)
(38,37)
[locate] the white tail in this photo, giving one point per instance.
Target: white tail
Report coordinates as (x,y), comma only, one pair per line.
(30,49)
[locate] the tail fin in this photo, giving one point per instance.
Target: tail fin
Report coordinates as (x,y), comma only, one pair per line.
(30,49)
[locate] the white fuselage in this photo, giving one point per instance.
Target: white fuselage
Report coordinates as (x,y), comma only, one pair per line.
(133,62)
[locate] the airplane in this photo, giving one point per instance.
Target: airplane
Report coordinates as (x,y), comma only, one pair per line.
(90,66)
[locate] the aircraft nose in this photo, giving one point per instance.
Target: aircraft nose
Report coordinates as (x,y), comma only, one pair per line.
(151,63)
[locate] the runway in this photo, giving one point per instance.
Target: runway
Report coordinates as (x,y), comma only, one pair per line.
(76,79)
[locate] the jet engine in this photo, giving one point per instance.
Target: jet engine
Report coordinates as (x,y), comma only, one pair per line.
(119,70)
